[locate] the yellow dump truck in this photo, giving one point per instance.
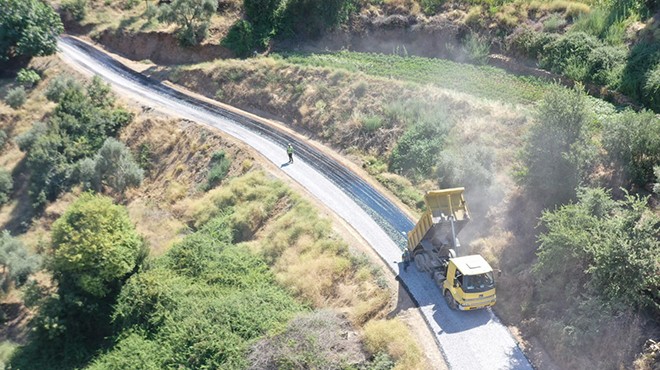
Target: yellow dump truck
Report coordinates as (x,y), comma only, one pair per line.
(467,282)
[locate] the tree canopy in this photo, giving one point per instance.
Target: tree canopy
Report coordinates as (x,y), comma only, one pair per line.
(94,245)
(28,28)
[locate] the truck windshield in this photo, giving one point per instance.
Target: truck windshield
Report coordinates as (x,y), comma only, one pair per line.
(478,283)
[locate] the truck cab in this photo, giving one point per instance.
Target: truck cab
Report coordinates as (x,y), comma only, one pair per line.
(469,283)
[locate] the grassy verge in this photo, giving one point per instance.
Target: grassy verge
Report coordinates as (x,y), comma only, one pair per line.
(480,81)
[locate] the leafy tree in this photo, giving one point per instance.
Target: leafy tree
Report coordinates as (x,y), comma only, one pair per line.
(318,15)
(28,28)
(656,186)
(558,151)
(95,245)
(192,17)
(116,168)
(17,264)
(632,140)
(601,247)
(6,185)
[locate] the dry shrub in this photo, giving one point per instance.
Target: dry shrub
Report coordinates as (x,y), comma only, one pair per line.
(394,338)
(319,340)
(474,16)
(575,9)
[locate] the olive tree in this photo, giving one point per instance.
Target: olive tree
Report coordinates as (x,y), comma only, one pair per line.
(192,17)
(116,168)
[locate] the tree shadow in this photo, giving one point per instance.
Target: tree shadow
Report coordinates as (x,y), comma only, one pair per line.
(403,301)
(21,216)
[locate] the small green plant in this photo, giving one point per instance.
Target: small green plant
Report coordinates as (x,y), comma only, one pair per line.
(16,97)
(372,123)
(477,49)
(554,23)
(219,169)
(431,7)
(27,77)
(3,140)
(77,8)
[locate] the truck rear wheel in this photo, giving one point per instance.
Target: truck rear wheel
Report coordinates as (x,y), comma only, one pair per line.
(420,262)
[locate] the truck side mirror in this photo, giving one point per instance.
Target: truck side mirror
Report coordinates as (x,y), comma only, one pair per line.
(499,272)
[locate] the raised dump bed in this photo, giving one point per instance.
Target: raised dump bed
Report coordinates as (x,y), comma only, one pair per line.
(446,214)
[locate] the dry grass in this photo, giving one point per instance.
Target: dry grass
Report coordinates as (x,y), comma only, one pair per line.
(393,338)
(158,226)
(301,247)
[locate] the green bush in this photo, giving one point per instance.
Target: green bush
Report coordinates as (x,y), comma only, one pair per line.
(115,167)
(417,150)
(17,264)
(26,140)
(27,77)
(242,39)
(6,185)
(651,89)
(219,169)
(643,59)
(318,16)
(571,48)
(527,42)
(477,48)
(59,85)
(77,8)
(589,246)
(16,97)
(606,65)
(95,246)
(28,28)
(133,351)
(372,123)
(207,298)
(632,140)
(594,23)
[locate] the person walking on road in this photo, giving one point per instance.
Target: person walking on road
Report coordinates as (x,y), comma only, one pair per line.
(289,151)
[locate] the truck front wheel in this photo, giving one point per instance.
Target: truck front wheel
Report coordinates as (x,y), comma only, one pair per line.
(451,302)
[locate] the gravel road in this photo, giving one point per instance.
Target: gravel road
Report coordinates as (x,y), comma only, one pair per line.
(467,340)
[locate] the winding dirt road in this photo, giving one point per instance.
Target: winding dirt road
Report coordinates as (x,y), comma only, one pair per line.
(467,340)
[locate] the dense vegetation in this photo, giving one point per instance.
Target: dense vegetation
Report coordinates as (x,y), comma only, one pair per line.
(59,150)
